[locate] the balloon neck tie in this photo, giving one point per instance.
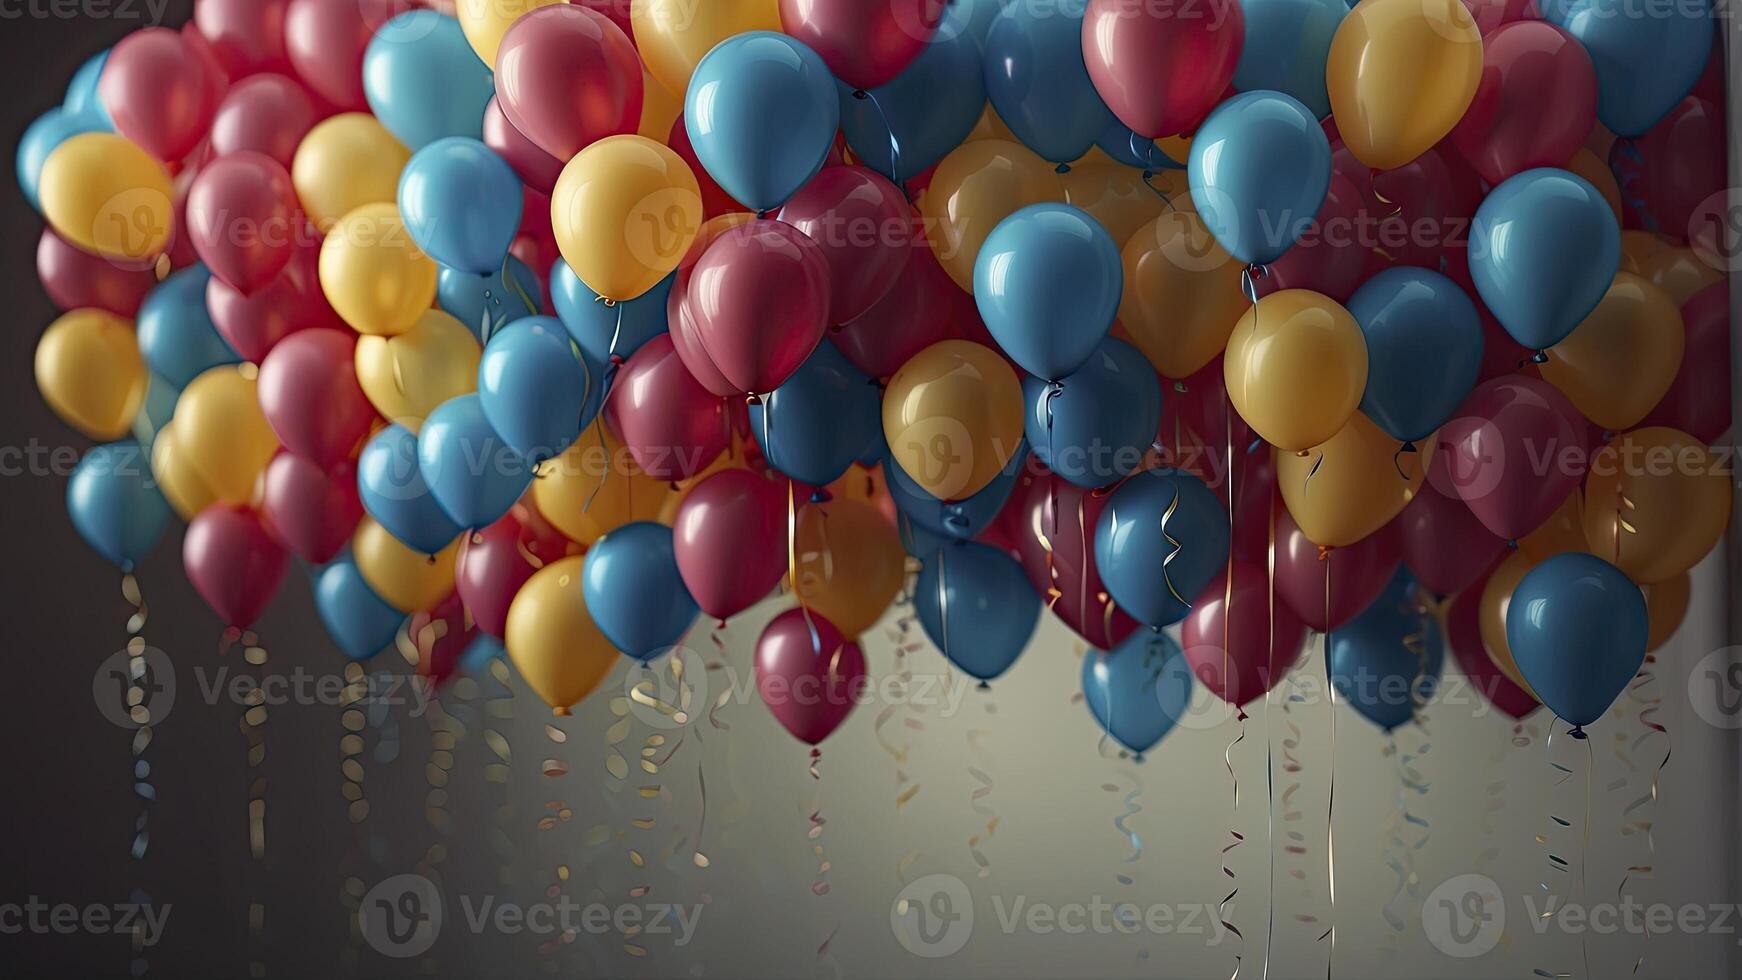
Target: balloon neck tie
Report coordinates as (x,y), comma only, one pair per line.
(1409,447)
(1578,733)
(1325,552)
(1541,357)
(1249,277)
(762,213)
(820,496)
(720,625)
(616,360)
(1149,182)
(561,711)
(983,686)
(1512,543)
(1062,169)
(752,399)
(894,144)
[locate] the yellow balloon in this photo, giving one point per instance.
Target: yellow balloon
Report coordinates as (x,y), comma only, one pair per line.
(588,492)
(1562,533)
(485,21)
(89,370)
(1638,246)
(344,163)
(953,418)
(220,428)
(407,376)
(104,194)
(991,127)
(1621,360)
(1352,485)
(1656,501)
(978,185)
(674,35)
(1666,605)
(1177,148)
(181,484)
(659,109)
(409,581)
(1491,615)
(1182,294)
(850,563)
(553,640)
(625,211)
(1401,74)
(375,276)
(1115,195)
(1680,272)
(1296,368)
(1597,173)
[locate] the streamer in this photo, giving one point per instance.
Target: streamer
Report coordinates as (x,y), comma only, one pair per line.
(988,815)
(1559,863)
(1648,708)
(139,711)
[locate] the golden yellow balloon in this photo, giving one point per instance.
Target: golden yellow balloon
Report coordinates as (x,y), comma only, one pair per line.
(1114,195)
(408,580)
(850,563)
(1666,605)
(343,163)
(373,274)
(1621,360)
(1352,485)
(1401,74)
(1679,272)
(953,417)
(1656,501)
(978,185)
(1491,615)
(485,21)
(222,431)
(89,370)
(1638,246)
(104,194)
(407,376)
(181,484)
(1296,368)
(625,211)
(1182,294)
(990,127)
(552,639)
(587,492)
(1562,533)
(659,109)
(674,35)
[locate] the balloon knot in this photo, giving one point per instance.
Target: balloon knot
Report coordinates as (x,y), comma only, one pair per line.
(820,496)
(983,686)
(610,303)
(1512,543)
(1325,552)
(816,753)
(1061,169)
(1137,757)
(561,711)
(861,94)
(617,360)
(720,625)
(762,214)
(752,399)
(1540,358)
(1578,733)
(1303,454)
(1179,388)
(1409,447)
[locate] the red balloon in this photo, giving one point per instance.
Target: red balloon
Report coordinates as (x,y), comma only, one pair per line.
(1666,174)
(865,228)
(1358,573)
(1336,254)
(495,562)
(1491,15)
(567,76)
(243,218)
(920,309)
(75,279)
(309,393)
(864,44)
(309,510)
(1161,73)
(233,563)
(1444,544)
(1415,214)
(246,35)
(1082,602)
(1514,451)
(181,247)
(1229,639)
(681,324)
(253,323)
(325,41)
(1710,85)
(537,169)
(441,636)
(1534,105)
(730,540)
(1698,401)
(672,426)
(157,91)
(1195,425)
(216,78)
(617,10)
(267,113)
(809,675)
(758,299)
(715,200)
(1464,636)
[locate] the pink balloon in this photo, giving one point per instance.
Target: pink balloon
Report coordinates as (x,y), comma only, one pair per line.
(1698,401)
(325,41)
(920,309)
(493,564)
(246,35)
(865,228)
(233,563)
(243,218)
(536,168)
(441,636)
(1514,451)
(309,393)
(267,113)
(682,327)
(730,539)
(157,92)
(75,278)
(1464,636)
(253,323)
(1229,640)
(567,76)
(1358,573)
(672,426)
(1082,602)
(809,675)
(864,44)
(216,78)
(309,510)
(759,301)
(1160,72)
(1534,105)
(1336,254)
(1444,544)
(1668,173)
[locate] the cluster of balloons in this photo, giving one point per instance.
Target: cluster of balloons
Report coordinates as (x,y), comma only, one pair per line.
(568,324)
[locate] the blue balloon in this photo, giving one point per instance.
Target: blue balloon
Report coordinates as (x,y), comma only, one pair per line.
(395,494)
(535,392)
(1259,170)
(1543,250)
(1424,349)
(424,81)
(905,126)
(959,519)
(975,603)
(473,300)
(159,408)
(633,590)
(818,423)
(115,504)
(974,17)
(1093,427)
(1161,540)
(1387,661)
(1287,45)
(461,204)
(1647,59)
(916,540)
(1048,282)
(479,654)
(602,330)
(761,113)
(1038,81)
(1139,689)
(43,136)
(473,473)
(358,620)
(1119,142)
(176,335)
(1577,628)
(82,99)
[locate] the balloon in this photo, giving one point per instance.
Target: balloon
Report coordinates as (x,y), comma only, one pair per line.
(730,536)
(485,21)
(817,425)
(374,274)
(309,510)
(40,140)
(552,639)
(1563,531)
(1401,74)
(865,229)
(309,393)
(673,36)
(1161,70)
(1684,272)
(1673,169)
(407,376)
(1424,349)
(247,36)
(395,493)
(850,563)
(973,190)
(233,563)
(808,674)
(1048,282)
(531,163)
(1444,544)
(325,40)
(115,505)
(1507,449)
(1160,540)
(423,81)
(1535,102)
(912,121)
(566,77)
(1387,662)
(74,278)
(633,592)
(105,195)
(1095,426)
(1656,502)
(358,620)
(1666,605)
(268,114)
(495,562)
(1287,45)
(952,417)
(1126,147)
(1357,573)
(1138,690)
(759,297)
(923,307)
(1354,483)
(1496,599)
(593,488)
(472,472)
(461,204)
(975,604)
(672,426)
(864,45)
(1182,294)
(90,372)
(1117,197)
(1053,523)
(181,484)
(1645,62)
(82,100)
(487,303)
(154,89)
(408,579)
(1583,603)
(1038,83)
(1464,637)
(1620,362)
(1259,170)
(175,333)
(1698,399)
(608,333)
(1231,642)
(625,211)
(960,519)
(243,219)
(1296,368)
(344,163)
(535,390)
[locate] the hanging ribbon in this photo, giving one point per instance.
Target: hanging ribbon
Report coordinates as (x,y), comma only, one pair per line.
(894,144)
(1555,861)
(139,711)
(1235,837)
(253,724)
(988,816)
(1331,791)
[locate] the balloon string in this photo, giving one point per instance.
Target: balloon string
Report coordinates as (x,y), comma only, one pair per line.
(944,598)
(894,144)
(557,811)
(354,723)
(986,813)
(1176,548)
(499,708)
(1628,179)
(1649,707)
(1269,744)
(604,468)
(1053,594)
(1235,837)
(1555,861)
(253,725)
(514,283)
(792,568)
(140,683)
(1331,792)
